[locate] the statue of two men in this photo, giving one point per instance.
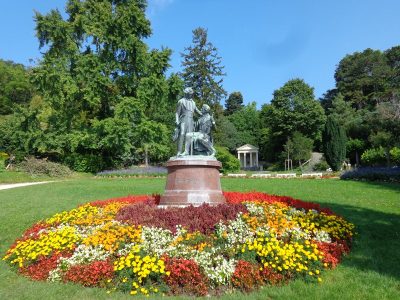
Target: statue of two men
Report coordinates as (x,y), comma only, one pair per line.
(194,136)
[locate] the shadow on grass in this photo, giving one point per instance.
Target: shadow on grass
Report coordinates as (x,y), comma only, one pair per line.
(376,246)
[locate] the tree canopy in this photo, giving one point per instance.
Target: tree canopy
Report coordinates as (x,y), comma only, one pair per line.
(100,84)
(203,70)
(233,103)
(293,108)
(15,88)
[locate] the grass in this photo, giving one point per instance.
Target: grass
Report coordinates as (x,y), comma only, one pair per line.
(371,271)
(17,177)
(8,177)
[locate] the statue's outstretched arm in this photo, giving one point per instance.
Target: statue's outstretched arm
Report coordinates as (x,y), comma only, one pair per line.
(178,113)
(197,110)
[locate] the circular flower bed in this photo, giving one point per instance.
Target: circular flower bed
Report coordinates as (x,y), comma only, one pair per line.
(129,244)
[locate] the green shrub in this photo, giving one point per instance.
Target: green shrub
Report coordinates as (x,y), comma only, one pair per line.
(334,139)
(321,166)
(374,157)
(229,162)
(395,156)
(89,163)
(3,157)
(43,167)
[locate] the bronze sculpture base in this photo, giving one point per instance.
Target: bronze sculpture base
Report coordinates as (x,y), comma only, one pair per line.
(192,180)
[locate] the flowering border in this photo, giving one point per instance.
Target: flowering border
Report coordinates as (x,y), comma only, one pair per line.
(129,244)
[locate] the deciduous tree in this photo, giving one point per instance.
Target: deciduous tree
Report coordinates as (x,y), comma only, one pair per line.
(100,81)
(293,108)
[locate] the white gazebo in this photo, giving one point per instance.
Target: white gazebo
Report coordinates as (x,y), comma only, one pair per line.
(248,156)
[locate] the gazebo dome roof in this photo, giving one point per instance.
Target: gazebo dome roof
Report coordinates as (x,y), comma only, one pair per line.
(247,147)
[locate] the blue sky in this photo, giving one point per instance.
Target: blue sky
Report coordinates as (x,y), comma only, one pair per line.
(263,43)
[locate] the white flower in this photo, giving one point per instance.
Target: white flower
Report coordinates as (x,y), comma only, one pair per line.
(254,209)
(156,240)
(296,234)
(322,236)
(82,255)
(236,232)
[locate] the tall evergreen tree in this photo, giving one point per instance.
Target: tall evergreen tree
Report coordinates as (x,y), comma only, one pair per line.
(334,139)
(203,69)
(233,103)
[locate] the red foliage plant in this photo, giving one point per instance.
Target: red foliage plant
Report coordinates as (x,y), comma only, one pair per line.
(238,197)
(202,218)
(271,276)
(333,252)
(246,276)
(93,274)
(185,277)
(40,269)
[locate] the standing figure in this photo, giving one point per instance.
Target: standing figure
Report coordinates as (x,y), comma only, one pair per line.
(184,118)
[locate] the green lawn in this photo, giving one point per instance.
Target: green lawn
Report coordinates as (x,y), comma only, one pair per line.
(17,177)
(371,271)
(7,177)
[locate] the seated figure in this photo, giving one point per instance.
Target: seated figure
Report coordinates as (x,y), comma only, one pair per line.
(200,142)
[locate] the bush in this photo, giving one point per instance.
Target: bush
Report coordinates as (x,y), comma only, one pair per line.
(395,156)
(229,162)
(374,157)
(373,174)
(40,167)
(3,158)
(321,166)
(89,163)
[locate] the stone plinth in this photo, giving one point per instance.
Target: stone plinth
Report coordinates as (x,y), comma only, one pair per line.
(192,180)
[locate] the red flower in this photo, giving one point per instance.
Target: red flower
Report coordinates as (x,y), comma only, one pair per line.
(40,269)
(238,197)
(246,276)
(93,274)
(128,199)
(333,252)
(185,277)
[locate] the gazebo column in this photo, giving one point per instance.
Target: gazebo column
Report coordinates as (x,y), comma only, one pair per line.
(251,159)
(245,160)
(257,158)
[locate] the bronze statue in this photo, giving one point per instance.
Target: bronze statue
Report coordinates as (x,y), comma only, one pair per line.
(184,119)
(200,141)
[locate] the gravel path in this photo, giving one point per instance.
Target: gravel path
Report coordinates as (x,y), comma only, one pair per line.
(15,185)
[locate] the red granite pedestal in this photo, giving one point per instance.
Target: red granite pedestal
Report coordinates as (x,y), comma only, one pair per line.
(192,181)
